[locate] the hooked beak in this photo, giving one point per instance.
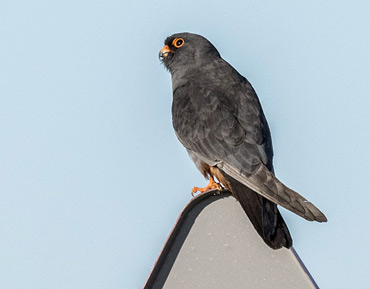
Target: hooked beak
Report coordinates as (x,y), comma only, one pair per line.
(164,52)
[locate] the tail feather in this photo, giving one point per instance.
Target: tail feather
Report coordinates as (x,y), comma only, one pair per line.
(263,214)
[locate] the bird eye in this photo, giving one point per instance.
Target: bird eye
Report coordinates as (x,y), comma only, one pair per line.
(178,42)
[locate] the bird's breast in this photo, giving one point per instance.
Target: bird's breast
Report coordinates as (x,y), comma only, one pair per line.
(185,115)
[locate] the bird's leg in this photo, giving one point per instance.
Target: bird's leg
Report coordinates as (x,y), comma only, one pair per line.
(212,185)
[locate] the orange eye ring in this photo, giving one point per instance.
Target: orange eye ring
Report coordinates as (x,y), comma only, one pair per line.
(178,42)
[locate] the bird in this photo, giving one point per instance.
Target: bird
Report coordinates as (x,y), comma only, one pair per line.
(218,118)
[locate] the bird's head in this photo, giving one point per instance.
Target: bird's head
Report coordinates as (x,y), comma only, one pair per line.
(182,50)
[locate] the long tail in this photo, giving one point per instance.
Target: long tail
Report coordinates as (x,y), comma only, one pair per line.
(263,214)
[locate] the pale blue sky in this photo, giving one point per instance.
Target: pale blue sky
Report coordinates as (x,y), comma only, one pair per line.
(92,177)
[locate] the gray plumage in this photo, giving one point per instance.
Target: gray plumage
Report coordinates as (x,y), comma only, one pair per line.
(218,118)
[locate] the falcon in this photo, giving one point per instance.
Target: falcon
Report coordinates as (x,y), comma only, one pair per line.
(218,118)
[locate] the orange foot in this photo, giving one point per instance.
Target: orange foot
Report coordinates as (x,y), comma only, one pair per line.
(211,186)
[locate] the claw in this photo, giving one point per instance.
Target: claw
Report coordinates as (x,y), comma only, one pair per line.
(211,186)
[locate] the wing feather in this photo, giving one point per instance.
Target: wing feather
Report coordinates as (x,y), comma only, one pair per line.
(267,185)
(225,126)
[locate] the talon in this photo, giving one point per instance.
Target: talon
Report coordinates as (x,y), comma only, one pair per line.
(211,186)
(194,191)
